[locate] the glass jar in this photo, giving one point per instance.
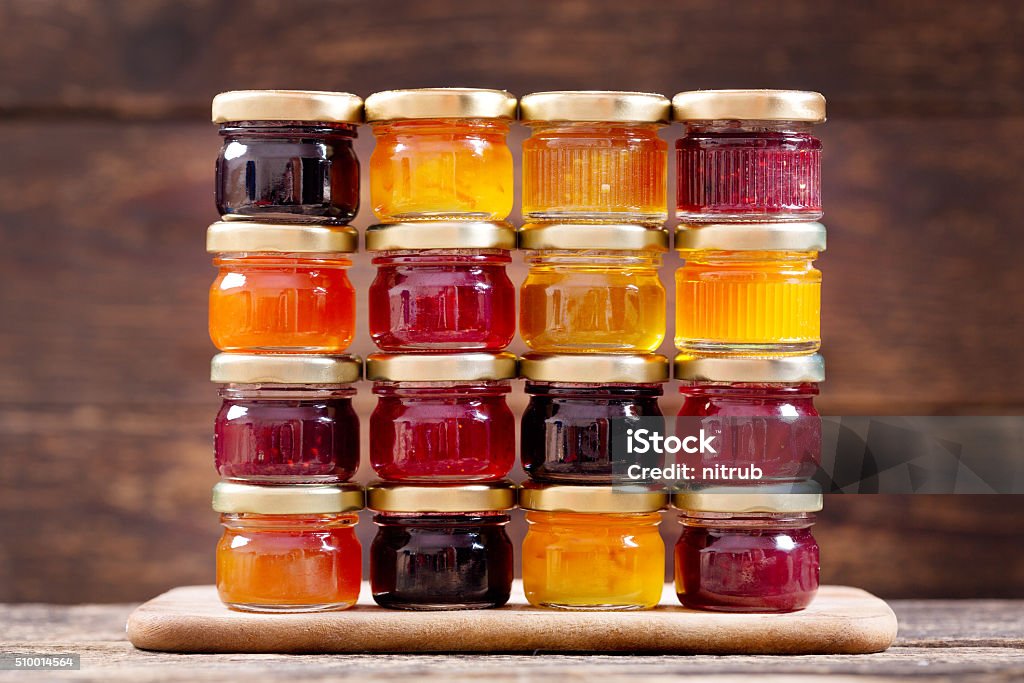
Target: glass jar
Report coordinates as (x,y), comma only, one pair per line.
(592,289)
(442,417)
(592,547)
(288,548)
(442,286)
(281,288)
(566,430)
(288,155)
(749,289)
(441,154)
(595,156)
(286,419)
(748,155)
(441,547)
(747,552)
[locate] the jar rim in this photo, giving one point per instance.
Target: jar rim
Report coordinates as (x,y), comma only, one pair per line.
(782,370)
(749,105)
(314,106)
(590,499)
(441,498)
(595,368)
(440,367)
(441,235)
(233,236)
(596,106)
(298,499)
(268,368)
(440,103)
(800,237)
(592,236)
(799,497)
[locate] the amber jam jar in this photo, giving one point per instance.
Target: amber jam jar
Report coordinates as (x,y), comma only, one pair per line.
(595,156)
(288,155)
(288,548)
(746,552)
(748,155)
(442,286)
(441,154)
(441,547)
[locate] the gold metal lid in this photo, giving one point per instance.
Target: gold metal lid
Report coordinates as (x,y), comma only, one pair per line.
(595,105)
(440,367)
(267,368)
(440,103)
(591,236)
(751,237)
(749,105)
(387,497)
(287,500)
(784,370)
(594,499)
(315,106)
(804,497)
(244,236)
(440,235)
(595,368)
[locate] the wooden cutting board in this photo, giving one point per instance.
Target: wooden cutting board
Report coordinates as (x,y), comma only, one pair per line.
(841,620)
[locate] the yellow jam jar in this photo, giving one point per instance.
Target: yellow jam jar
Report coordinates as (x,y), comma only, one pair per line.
(592,547)
(441,154)
(595,156)
(749,289)
(592,288)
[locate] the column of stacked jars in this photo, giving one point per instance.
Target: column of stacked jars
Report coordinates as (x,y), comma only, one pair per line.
(282,313)
(748,302)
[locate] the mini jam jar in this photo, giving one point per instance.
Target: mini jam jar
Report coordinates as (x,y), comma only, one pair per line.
(746,552)
(288,548)
(288,155)
(441,547)
(442,417)
(595,156)
(441,154)
(286,419)
(566,430)
(592,547)
(749,289)
(748,155)
(281,288)
(442,286)
(592,288)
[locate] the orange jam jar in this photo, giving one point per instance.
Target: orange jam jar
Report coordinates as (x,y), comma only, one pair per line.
(288,548)
(441,154)
(595,156)
(281,288)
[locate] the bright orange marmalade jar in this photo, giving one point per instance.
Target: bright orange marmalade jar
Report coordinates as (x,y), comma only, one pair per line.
(281,288)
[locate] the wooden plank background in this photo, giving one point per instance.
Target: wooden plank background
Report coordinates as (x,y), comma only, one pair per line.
(106,189)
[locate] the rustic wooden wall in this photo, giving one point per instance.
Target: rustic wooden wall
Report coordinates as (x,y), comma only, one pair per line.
(106,189)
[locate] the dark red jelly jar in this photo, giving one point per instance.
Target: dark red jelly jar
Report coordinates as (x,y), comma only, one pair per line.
(442,286)
(441,547)
(748,155)
(288,155)
(286,419)
(442,417)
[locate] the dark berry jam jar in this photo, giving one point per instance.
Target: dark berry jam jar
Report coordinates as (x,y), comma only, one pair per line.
(286,419)
(288,155)
(441,547)
(442,286)
(442,417)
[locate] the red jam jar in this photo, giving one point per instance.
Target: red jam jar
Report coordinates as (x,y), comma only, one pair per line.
(288,155)
(746,552)
(748,155)
(442,417)
(286,419)
(442,286)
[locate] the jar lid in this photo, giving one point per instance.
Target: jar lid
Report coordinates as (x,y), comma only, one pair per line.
(592,236)
(595,368)
(268,368)
(594,499)
(804,497)
(302,499)
(386,497)
(596,106)
(440,103)
(440,235)
(314,106)
(749,105)
(783,370)
(750,237)
(244,236)
(440,367)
